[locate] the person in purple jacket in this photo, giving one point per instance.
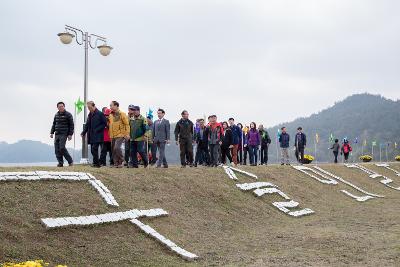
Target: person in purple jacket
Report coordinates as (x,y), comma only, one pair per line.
(253,142)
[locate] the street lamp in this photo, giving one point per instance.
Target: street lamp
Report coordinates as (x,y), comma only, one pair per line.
(87,40)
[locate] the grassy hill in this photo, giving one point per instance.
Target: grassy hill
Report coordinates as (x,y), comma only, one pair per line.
(362,116)
(209,216)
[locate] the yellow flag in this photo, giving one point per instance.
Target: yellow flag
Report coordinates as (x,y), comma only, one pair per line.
(365,142)
(317,138)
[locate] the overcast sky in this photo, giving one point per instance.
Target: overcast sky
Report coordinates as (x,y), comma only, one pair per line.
(264,61)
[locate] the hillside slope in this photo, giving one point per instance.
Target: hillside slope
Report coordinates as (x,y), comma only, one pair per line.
(209,216)
(362,116)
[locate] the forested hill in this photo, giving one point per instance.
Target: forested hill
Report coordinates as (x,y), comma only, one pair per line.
(362,116)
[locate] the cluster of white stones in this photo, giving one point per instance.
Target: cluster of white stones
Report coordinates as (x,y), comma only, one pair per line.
(329,178)
(387,166)
(67,176)
(372,174)
(131,215)
(229,172)
(102,218)
(262,188)
(165,241)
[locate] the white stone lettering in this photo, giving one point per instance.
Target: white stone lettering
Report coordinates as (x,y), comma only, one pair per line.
(385,180)
(327,176)
(67,176)
(262,188)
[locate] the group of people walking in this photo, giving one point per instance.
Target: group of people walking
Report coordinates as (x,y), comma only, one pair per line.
(204,143)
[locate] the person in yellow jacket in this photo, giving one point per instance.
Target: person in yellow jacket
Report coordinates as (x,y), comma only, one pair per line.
(119,131)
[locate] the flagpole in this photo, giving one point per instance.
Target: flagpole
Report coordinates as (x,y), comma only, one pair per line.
(387,160)
(277,148)
(315,147)
(380,153)
(73,153)
(372,151)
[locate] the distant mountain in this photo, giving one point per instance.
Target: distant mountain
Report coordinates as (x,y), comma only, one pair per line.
(27,151)
(362,116)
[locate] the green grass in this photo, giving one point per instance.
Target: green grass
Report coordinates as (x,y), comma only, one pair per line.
(208,216)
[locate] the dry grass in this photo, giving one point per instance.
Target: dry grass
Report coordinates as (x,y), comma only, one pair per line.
(208,216)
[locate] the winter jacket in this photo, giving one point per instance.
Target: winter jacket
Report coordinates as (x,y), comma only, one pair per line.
(227,138)
(63,124)
(253,138)
(94,127)
(265,139)
(184,130)
(346,148)
(201,138)
(214,133)
(106,135)
(119,124)
(284,139)
(335,147)
(138,128)
(300,140)
(236,134)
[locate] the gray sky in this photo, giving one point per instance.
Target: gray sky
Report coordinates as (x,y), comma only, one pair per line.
(263,61)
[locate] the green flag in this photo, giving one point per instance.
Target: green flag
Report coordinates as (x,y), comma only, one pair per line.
(373,143)
(79,105)
(331,138)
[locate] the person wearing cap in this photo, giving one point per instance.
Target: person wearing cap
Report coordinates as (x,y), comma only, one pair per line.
(300,142)
(94,129)
(128,142)
(106,148)
(184,138)
(137,137)
(119,131)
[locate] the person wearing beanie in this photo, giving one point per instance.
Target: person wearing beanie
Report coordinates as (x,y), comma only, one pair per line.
(138,126)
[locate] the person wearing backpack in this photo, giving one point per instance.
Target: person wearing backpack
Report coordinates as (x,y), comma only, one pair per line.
(346,149)
(137,136)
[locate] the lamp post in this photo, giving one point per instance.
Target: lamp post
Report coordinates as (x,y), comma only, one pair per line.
(87,40)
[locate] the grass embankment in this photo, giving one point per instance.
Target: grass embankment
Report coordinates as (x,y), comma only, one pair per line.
(208,216)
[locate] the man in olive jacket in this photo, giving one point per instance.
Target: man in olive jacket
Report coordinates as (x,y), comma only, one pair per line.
(63,128)
(184,138)
(137,135)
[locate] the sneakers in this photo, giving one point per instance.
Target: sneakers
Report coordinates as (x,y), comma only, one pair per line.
(60,165)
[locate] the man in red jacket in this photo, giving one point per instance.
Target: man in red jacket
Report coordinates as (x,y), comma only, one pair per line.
(214,134)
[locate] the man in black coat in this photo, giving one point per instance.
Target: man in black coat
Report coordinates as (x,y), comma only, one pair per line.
(94,128)
(184,138)
(300,143)
(63,128)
